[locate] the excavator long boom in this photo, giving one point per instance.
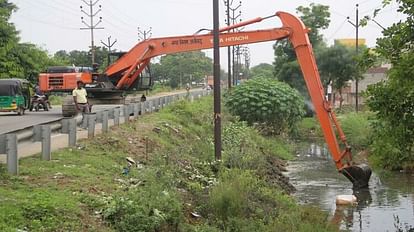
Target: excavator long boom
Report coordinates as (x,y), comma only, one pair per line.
(132,64)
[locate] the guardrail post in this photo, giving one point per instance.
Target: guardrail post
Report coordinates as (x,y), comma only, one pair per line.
(147,107)
(126,113)
(46,142)
(150,106)
(8,146)
(105,127)
(69,126)
(12,158)
(136,110)
(91,118)
(116,116)
(158,104)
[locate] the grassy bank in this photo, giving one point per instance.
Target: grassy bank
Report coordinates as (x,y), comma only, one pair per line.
(175,184)
(356,127)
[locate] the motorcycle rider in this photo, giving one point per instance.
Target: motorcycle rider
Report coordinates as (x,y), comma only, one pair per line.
(39,93)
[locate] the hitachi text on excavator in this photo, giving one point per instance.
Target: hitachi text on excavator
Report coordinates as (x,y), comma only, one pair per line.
(129,72)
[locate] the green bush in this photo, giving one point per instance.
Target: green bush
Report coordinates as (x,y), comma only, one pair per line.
(272,104)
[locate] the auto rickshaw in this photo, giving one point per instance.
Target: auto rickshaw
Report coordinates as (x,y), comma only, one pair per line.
(14,95)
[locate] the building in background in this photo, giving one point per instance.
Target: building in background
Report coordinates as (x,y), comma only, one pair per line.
(350,42)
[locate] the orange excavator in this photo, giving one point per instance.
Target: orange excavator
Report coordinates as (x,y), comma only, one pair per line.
(130,67)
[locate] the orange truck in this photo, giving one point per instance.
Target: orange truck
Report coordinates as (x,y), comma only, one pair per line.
(130,68)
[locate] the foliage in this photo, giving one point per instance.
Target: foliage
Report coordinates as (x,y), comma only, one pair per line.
(286,67)
(337,64)
(268,102)
(182,68)
(18,60)
(261,70)
(393,100)
(160,210)
(83,58)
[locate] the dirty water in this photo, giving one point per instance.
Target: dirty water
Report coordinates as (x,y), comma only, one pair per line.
(388,205)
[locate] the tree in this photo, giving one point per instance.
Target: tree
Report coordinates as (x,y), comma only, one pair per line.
(261,70)
(32,60)
(274,105)
(393,100)
(18,60)
(183,68)
(82,58)
(337,64)
(8,41)
(285,65)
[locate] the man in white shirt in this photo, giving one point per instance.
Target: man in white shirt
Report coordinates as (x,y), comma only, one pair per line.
(80,98)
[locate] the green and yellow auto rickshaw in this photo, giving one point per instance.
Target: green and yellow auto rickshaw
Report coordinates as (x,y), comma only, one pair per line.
(14,95)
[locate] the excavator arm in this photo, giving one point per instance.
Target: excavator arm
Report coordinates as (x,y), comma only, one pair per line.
(133,63)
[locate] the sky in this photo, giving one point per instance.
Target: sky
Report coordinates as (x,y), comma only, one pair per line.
(55,24)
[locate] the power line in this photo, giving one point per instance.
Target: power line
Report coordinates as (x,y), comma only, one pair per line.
(91,26)
(337,30)
(48,23)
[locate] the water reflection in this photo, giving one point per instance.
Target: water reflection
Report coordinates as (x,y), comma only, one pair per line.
(388,198)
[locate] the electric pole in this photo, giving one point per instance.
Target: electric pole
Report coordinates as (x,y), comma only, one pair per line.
(109,46)
(227,3)
(217,93)
(356,25)
(144,34)
(234,19)
(91,26)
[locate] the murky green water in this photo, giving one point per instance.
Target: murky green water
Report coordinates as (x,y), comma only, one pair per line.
(388,205)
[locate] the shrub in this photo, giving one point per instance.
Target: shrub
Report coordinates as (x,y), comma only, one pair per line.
(272,104)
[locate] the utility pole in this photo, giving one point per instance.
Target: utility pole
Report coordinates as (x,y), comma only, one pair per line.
(234,19)
(109,46)
(227,3)
(91,26)
(217,93)
(356,25)
(144,34)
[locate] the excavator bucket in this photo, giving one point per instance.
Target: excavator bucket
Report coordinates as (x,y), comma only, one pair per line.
(358,174)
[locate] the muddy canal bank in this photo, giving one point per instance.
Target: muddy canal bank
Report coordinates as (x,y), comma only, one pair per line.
(388,205)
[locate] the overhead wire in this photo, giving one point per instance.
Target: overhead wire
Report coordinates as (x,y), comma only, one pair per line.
(48,23)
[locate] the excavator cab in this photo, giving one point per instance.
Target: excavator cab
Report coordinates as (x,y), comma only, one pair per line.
(144,82)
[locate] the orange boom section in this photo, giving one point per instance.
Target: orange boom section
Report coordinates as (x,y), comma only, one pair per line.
(63,79)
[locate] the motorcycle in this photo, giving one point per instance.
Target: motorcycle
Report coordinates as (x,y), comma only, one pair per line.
(39,102)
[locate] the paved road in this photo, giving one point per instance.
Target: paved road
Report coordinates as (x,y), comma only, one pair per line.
(11,121)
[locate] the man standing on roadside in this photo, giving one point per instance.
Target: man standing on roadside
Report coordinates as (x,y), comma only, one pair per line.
(80,98)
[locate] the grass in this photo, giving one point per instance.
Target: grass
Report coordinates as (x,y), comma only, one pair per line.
(356,127)
(91,188)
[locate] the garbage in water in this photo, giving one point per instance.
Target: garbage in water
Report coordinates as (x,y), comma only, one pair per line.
(346,200)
